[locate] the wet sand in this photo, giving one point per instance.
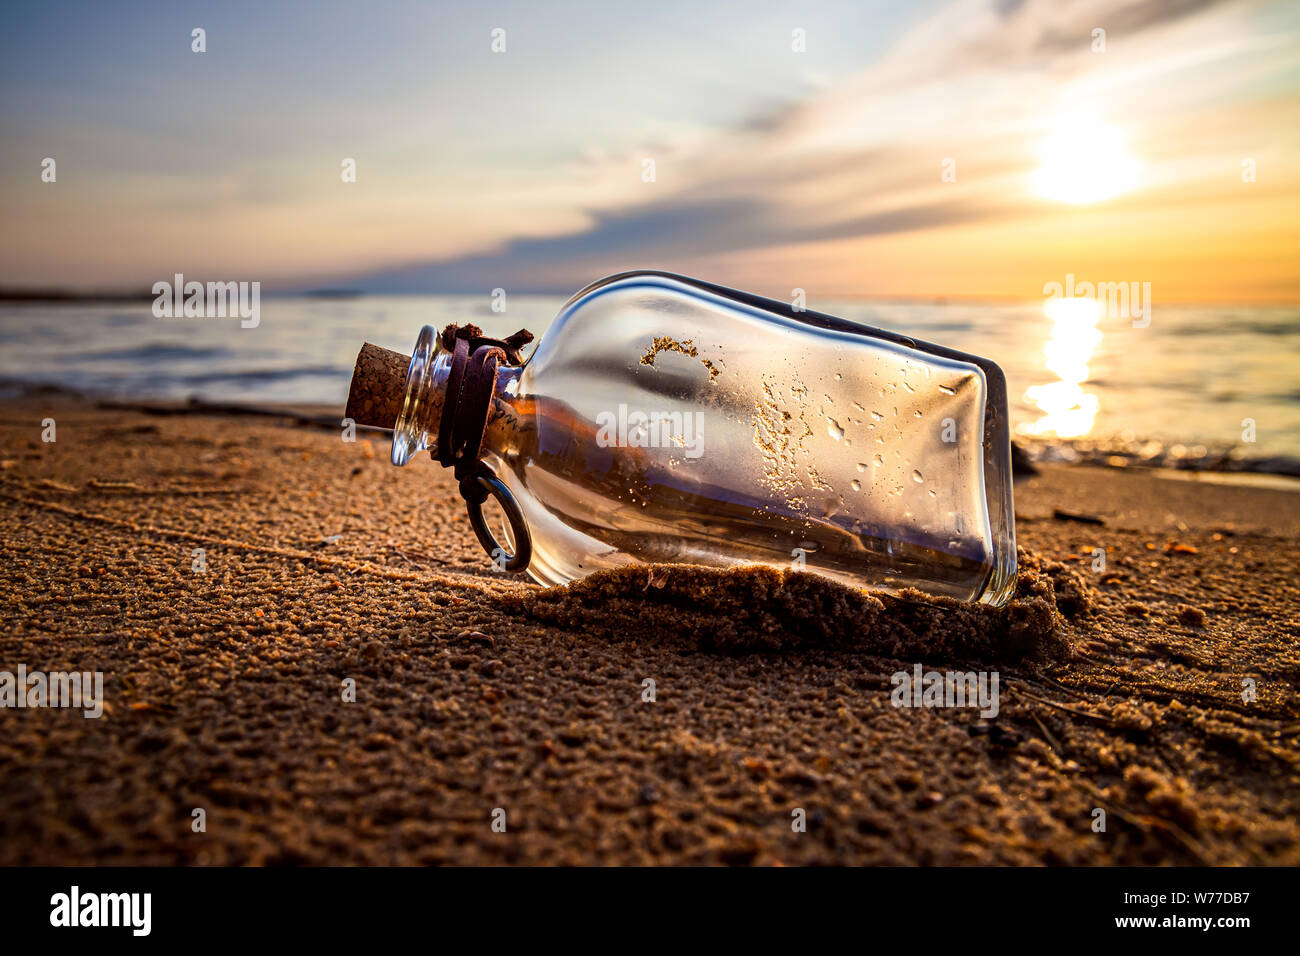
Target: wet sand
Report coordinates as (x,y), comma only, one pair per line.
(1120,690)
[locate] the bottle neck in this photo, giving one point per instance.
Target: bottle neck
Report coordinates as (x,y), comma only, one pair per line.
(425,399)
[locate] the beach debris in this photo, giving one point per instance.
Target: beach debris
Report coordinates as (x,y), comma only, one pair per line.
(1062,515)
(49,484)
(100,484)
(418,559)
(1022,466)
(476,637)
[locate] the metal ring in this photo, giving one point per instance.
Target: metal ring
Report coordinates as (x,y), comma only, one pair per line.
(523,540)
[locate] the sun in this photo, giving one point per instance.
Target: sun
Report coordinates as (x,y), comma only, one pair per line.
(1084,161)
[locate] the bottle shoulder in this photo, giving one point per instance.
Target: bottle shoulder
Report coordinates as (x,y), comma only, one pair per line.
(674,285)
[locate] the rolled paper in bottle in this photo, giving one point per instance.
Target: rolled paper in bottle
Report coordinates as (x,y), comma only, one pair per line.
(378,387)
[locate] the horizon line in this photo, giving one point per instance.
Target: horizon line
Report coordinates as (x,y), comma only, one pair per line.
(55,296)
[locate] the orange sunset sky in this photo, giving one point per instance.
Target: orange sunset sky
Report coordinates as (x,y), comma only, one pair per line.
(960,150)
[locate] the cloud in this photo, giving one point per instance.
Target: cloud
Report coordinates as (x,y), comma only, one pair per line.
(648,236)
(857,160)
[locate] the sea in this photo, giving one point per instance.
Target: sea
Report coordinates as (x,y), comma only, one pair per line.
(1212,387)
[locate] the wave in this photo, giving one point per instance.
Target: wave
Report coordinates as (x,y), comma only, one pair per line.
(158,352)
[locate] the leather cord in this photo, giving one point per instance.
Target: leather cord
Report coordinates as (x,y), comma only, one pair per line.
(471,384)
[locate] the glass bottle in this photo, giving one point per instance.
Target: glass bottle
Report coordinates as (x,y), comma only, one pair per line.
(664,419)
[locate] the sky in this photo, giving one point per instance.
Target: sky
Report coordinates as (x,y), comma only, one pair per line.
(974,149)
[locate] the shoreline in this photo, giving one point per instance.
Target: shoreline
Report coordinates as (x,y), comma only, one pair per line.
(1217,465)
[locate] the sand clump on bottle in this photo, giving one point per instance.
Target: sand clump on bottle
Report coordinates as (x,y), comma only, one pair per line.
(666,343)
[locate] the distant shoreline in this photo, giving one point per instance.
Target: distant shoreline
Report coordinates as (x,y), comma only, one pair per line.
(37,296)
(58,296)
(47,296)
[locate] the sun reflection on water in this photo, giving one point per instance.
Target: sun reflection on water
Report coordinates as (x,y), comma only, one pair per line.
(1068,411)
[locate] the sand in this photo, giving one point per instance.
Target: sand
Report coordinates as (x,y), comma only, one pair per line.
(475,691)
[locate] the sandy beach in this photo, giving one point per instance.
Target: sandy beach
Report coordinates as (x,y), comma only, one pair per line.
(1121,690)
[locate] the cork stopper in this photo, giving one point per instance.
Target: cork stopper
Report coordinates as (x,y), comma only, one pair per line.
(378,387)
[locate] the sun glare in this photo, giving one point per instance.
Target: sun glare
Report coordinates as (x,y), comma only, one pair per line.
(1084,161)
(1068,410)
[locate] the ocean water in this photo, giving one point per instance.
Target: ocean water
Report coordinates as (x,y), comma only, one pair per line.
(1195,384)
